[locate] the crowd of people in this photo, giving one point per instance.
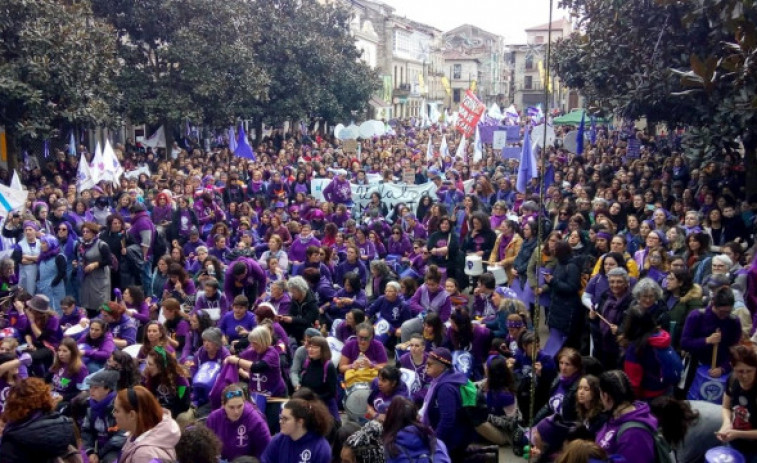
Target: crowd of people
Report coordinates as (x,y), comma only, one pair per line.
(220,308)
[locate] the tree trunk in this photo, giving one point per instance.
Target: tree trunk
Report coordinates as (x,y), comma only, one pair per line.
(10,144)
(168,130)
(749,139)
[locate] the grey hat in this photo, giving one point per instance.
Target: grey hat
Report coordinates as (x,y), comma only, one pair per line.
(214,335)
(105,378)
(312,332)
(39,303)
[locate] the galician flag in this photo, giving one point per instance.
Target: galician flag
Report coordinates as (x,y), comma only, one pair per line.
(478,149)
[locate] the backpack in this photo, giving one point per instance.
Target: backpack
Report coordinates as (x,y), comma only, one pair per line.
(160,246)
(473,404)
(671,365)
(663,452)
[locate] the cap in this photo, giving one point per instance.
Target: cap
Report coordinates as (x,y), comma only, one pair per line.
(105,378)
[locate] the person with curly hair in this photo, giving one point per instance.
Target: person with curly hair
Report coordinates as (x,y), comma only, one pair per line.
(29,414)
(166,379)
(198,444)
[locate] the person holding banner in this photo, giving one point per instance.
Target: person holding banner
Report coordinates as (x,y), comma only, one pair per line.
(708,334)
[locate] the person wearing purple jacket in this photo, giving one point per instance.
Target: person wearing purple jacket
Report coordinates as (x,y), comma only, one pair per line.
(338,191)
(96,345)
(463,335)
(442,409)
(136,305)
(351,264)
(714,325)
(366,247)
(238,322)
(244,276)
(391,307)
(415,360)
(260,363)
(121,326)
(299,246)
(351,297)
(303,427)
(142,232)
(43,333)
(313,260)
(241,428)
(212,300)
(629,430)
(430,297)
(399,243)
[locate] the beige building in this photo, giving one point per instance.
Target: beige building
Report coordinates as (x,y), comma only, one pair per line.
(527,69)
(475,57)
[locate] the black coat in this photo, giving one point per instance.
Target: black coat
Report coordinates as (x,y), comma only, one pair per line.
(565,308)
(304,315)
(40,439)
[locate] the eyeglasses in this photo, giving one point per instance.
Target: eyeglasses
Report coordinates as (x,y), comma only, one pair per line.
(364,338)
(396,233)
(60,229)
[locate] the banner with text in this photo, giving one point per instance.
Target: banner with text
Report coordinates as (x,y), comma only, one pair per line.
(469,113)
(391,194)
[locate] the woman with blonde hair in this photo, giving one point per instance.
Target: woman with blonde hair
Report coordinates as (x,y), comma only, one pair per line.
(260,363)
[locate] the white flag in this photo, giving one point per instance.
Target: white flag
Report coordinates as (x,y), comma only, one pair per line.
(430,148)
(97,167)
(11,199)
(444,149)
(16,181)
(84,179)
(113,169)
(478,151)
(495,112)
(156,140)
(460,153)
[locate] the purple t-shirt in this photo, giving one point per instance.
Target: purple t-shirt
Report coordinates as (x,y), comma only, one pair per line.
(269,381)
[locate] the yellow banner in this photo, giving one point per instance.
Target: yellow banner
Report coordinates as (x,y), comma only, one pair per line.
(473,85)
(445,84)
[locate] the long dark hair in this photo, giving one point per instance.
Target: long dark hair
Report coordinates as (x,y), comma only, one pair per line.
(639,327)
(402,413)
(127,368)
(499,377)
(675,417)
(434,320)
(462,337)
(315,415)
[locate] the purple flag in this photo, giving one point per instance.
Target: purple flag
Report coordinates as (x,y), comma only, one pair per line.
(580,136)
(527,167)
(244,150)
(46,149)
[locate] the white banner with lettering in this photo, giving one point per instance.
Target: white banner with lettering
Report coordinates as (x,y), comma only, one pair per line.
(391,194)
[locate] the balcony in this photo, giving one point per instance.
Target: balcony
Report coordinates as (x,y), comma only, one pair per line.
(534,87)
(402,90)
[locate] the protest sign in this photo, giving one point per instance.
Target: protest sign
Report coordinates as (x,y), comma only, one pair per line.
(470,112)
(499,139)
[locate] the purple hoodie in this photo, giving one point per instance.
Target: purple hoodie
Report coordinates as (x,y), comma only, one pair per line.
(338,192)
(249,435)
(299,247)
(268,381)
(635,445)
(310,448)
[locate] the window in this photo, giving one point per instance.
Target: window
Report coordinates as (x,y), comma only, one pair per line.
(528,83)
(529,62)
(457,70)
(401,41)
(456,95)
(539,39)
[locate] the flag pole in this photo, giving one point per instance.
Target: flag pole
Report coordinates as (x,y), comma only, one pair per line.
(540,223)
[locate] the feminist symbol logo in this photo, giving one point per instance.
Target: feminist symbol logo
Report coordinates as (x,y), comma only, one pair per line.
(258,379)
(242,436)
(305,456)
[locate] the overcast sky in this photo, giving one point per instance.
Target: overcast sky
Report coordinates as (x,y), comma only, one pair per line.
(507,18)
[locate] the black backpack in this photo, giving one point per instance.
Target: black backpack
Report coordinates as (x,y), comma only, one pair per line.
(159,247)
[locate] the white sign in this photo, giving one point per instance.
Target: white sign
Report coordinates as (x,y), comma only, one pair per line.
(499,139)
(391,194)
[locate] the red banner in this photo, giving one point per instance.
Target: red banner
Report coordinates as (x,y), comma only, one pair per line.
(469,113)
